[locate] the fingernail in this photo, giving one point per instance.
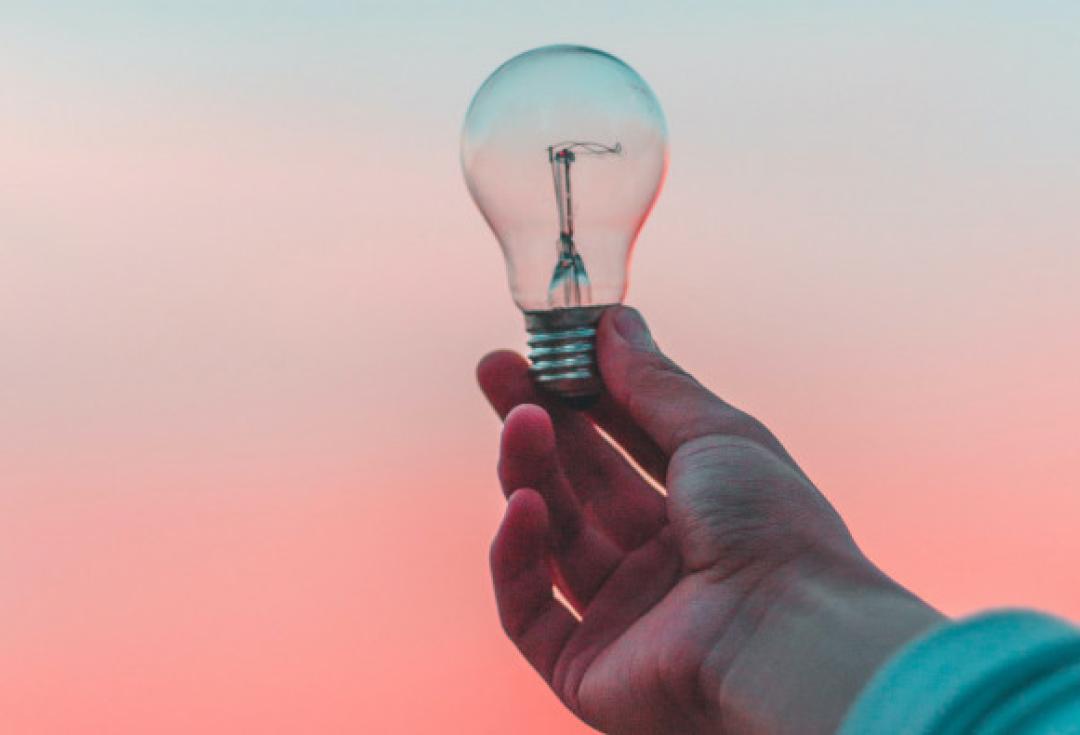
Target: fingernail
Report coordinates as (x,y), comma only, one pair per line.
(632,328)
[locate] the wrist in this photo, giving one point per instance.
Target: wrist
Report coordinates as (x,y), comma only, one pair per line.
(804,643)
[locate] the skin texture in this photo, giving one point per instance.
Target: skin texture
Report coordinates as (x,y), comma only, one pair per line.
(733,601)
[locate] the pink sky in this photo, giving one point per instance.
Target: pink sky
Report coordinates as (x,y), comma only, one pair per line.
(246,480)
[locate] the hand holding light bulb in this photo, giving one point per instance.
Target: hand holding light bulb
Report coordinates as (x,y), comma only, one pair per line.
(582,125)
(736,602)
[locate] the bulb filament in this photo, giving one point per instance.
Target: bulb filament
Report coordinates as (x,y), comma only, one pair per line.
(570,282)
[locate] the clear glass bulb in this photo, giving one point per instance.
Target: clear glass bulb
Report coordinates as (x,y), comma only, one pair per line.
(564,150)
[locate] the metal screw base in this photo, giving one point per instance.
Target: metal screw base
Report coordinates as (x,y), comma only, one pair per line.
(562,346)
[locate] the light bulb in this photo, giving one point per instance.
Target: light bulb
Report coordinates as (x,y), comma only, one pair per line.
(564,150)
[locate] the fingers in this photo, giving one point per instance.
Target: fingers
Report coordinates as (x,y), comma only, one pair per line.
(642,580)
(531,616)
(611,491)
(527,458)
(663,400)
(504,378)
(584,557)
(550,638)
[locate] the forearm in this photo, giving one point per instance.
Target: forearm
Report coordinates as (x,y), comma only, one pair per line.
(813,639)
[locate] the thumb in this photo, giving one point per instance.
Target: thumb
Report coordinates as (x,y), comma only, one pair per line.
(663,399)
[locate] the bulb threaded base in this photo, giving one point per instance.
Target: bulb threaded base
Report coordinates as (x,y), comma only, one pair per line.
(562,349)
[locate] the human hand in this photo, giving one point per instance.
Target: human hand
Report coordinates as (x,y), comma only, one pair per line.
(737,603)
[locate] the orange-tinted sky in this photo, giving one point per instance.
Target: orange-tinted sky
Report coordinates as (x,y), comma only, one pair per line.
(246,481)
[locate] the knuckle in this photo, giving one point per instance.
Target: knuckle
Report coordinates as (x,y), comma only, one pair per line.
(753,428)
(727,461)
(729,450)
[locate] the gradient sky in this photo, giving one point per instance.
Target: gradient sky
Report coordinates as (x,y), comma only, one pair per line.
(246,481)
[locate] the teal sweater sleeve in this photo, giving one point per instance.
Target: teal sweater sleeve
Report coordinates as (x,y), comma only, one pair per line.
(1009,671)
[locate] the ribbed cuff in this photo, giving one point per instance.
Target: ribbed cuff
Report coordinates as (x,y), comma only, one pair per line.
(955,676)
